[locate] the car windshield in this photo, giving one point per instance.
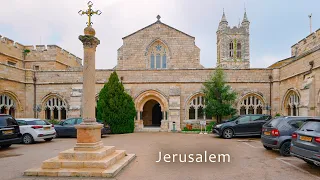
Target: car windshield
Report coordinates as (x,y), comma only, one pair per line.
(274,122)
(38,122)
(7,121)
(311,126)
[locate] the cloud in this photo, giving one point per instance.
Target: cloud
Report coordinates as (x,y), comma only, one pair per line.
(57,22)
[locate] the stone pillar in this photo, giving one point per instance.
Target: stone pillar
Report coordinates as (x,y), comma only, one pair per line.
(174,108)
(89,75)
(307,92)
(89,131)
(276,105)
(59,114)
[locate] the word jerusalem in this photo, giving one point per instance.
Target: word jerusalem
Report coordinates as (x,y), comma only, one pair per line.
(197,158)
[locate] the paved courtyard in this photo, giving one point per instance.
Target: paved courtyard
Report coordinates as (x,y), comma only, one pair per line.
(249,160)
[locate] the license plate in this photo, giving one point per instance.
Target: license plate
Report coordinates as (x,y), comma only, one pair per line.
(46,128)
(267,133)
(7,132)
(306,138)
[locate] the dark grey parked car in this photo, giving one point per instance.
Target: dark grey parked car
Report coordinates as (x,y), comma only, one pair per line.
(66,128)
(305,142)
(244,125)
(276,133)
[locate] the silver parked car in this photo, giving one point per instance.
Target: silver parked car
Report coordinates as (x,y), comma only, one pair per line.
(305,142)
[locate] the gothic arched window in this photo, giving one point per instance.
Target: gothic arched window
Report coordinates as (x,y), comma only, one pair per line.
(292,102)
(158,55)
(55,108)
(231,49)
(196,108)
(7,105)
(251,104)
(238,50)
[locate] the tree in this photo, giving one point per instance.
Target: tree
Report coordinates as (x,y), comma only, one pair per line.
(116,107)
(219,97)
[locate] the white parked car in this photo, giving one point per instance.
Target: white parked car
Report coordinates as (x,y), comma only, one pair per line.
(35,130)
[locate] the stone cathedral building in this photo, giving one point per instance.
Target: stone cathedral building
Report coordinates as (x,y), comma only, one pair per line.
(160,68)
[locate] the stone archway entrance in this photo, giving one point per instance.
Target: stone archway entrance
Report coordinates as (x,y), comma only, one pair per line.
(152,114)
(152,111)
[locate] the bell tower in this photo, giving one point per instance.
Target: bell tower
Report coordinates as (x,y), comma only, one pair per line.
(233,50)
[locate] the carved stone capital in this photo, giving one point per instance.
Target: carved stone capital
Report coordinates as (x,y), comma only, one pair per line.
(89,41)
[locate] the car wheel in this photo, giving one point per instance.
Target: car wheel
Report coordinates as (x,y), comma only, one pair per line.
(5,146)
(48,139)
(285,149)
(227,133)
(267,148)
(27,139)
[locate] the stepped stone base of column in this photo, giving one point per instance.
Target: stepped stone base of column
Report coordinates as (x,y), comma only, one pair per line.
(104,162)
(88,158)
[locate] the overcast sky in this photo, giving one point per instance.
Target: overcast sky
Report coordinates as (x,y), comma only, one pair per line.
(275,25)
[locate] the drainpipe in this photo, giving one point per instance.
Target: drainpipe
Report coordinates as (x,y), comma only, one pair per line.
(35,95)
(270,99)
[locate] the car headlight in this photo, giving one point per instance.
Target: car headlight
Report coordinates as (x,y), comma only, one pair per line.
(218,126)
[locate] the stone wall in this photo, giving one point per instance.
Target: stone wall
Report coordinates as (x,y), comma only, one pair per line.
(50,57)
(183,53)
(138,81)
(307,44)
(303,76)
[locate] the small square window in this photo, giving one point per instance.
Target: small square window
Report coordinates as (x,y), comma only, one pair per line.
(36,68)
(12,63)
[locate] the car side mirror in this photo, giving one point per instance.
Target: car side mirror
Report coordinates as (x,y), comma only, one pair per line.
(61,123)
(236,121)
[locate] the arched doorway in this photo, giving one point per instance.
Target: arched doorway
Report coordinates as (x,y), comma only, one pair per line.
(152,111)
(152,114)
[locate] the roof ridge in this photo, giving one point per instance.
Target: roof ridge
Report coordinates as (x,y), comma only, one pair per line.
(158,22)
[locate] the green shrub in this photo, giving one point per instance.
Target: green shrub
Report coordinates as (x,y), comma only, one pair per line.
(116,107)
(186,129)
(209,126)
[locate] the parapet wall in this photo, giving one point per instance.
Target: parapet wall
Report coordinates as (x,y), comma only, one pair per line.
(11,48)
(38,52)
(52,52)
(307,44)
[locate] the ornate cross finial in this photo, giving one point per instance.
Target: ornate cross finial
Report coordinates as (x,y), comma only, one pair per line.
(158,17)
(89,13)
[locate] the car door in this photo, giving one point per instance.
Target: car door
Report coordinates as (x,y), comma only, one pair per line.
(242,125)
(257,121)
(22,126)
(68,128)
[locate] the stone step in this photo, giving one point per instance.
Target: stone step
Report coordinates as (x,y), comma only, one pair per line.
(72,154)
(113,170)
(150,129)
(103,163)
(83,172)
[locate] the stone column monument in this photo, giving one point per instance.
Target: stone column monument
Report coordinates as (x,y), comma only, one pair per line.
(89,157)
(89,131)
